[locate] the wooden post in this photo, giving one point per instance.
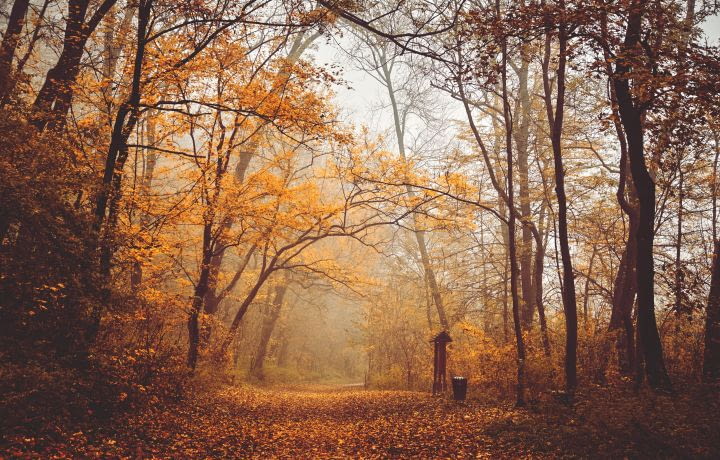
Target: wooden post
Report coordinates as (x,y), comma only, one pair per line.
(440,362)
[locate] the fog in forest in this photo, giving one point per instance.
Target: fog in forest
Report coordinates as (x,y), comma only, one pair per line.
(359,229)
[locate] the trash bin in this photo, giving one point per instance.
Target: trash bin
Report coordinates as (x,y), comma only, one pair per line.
(459,385)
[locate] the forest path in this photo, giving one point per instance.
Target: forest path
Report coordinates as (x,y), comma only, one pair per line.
(325,422)
(345,422)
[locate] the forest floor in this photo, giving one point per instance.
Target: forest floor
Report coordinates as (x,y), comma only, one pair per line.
(341,422)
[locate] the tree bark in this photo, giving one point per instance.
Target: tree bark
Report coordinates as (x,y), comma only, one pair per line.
(520,343)
(586,293)
(9,45)
(264,274)
(625,285)
(527,312)
(53,99)
(504,202)
(679,309)
(538,292)
(113,46)
(114,165)
(197,304)
(125,120)
(506,275)
(631,117)
(136,275)
(268,327)
(555,121)
(711,357)
(30,48)
(623,299)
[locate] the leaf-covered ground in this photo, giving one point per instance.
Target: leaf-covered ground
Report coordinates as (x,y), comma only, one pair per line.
(245,422)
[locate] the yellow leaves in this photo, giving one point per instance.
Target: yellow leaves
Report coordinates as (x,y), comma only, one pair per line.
(457,183)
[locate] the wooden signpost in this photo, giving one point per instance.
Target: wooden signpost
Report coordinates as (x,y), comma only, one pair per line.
(440,362)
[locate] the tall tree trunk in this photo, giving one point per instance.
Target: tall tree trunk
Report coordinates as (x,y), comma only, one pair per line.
(269,323)
(12,80)
(419,233)
(504,202)
(506,274)
(624,290)
(631,117)
(625,284)
(586,293)
(197,304)
(711,357)
(30,48)
(555,121)
(53,99)
(538,292)
(136,275)
(113,44)
(527,312)
(125,121)
(520,343)
(679,309)
(505,195)
(431,279)
(484,287)
(428,304)
(541,242)
(9,45)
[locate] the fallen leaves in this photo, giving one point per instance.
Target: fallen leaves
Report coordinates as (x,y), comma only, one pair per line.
(249,422)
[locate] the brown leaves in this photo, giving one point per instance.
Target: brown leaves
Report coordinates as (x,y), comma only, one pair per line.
(322,422)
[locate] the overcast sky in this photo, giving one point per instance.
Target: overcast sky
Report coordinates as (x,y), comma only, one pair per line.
(363,103)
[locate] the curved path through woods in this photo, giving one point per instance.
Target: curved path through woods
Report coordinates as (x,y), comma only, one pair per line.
(325,422)
(343,422)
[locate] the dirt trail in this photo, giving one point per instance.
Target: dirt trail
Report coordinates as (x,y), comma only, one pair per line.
(345,422)
(331,423)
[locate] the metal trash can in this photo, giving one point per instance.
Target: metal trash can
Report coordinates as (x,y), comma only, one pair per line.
(459,385)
